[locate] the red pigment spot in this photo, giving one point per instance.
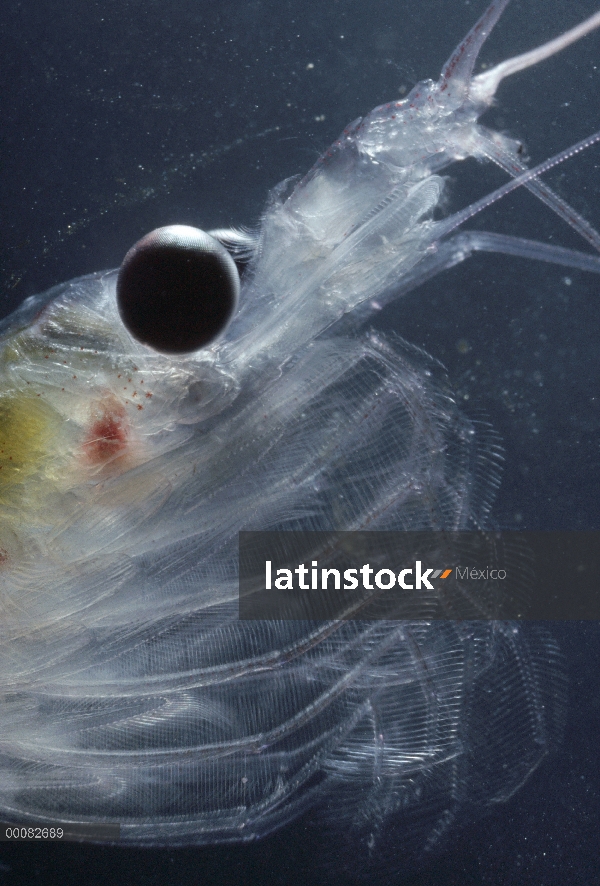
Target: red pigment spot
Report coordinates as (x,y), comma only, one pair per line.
(148,394)
(3,556)
(108,433)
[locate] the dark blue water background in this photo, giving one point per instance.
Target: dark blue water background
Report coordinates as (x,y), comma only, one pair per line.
(121,116)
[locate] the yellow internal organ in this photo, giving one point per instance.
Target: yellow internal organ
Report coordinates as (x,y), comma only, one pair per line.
(28,428)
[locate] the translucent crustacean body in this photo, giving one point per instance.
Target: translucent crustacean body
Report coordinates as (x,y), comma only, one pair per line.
(132,692)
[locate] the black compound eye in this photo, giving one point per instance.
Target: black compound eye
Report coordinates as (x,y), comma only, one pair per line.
(177,289)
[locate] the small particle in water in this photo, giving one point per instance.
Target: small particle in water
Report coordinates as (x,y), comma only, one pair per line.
(463,346)
(567,281)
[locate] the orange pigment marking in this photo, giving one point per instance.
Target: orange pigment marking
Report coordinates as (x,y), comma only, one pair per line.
(108,433)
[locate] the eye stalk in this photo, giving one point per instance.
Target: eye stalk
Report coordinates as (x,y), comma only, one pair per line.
(177,289)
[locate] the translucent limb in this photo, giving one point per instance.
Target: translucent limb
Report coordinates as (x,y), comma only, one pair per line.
(455,80)
(445,254)
(526,178)
(462,245)
(544,193)
(448,253)
(483,86)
